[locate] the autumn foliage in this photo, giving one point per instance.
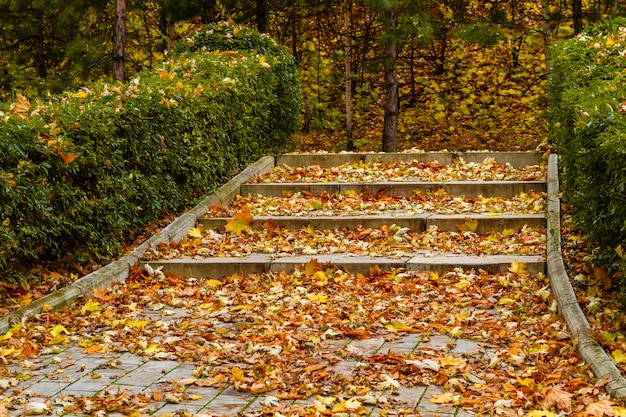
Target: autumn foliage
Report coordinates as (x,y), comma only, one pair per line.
(588,105)
(82,170)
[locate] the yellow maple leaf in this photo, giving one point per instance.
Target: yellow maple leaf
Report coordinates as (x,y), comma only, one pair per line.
(470,225)
(397,326)
(212,283)
(195,232)
(444,398)
(240,222)
(238,374)
(619,356)
(519,268)
(57,330)
(152,349)
(507,232)
(526,382)
(320,298)
(92,306)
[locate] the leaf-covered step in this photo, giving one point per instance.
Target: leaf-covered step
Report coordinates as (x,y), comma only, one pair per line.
(504,189)
(259,263)
(481,223)
(394,241)
(402,171)
(438,202)
(515,159)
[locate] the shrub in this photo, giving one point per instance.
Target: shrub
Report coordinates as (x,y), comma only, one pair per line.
(587,94)
(83,169)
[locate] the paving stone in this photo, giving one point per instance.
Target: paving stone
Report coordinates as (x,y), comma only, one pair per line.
(467,347)
(405,344)
(148,373)
(46,388)
(177,408)
(368,346)
(426,406)
(184,370)
(405,397)
(436,341)
(229,402)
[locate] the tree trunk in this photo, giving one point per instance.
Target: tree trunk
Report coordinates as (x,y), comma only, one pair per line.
(392,104)
(119,40)
(261,16)
(347,44)
(577,9)
(547,33)
(39,49)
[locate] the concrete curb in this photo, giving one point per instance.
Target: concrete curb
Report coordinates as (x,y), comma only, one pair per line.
(119,270)
(588,348)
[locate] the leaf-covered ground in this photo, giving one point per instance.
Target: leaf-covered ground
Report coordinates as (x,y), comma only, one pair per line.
(274,335)
(459,170)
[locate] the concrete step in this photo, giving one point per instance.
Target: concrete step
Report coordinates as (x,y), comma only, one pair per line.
(515,159)
(417,223)
(504,189)
(419,261)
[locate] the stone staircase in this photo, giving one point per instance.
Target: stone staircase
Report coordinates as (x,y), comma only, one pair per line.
(428,260)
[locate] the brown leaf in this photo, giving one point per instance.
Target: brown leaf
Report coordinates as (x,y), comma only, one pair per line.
(601,408)
(554,397)
(21,106)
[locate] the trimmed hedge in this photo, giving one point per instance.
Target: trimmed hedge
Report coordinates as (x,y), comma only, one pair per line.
(587,93)
(82,170)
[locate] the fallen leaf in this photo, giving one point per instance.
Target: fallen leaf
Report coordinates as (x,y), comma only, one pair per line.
(601,408)
(554,397)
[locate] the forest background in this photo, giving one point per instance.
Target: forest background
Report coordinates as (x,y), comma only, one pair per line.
(456,74)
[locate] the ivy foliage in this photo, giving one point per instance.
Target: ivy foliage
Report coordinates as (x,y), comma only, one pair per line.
(587,94)
(83,169)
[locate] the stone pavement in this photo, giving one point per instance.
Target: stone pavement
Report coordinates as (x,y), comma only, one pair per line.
(68,371)
(65,378)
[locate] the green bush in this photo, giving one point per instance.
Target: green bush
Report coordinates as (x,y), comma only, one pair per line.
(226,37)
(82,170)
(587,94)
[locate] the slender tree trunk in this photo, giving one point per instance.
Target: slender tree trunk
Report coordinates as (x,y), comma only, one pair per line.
(547,33)
(577,9)
(39,49)
(261,16)
(347,44)
(392,104)
(119,40)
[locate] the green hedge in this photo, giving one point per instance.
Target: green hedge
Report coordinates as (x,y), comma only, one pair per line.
(587,94)
(80,171)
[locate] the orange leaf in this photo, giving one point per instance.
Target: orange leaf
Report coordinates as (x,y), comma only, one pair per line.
(357,334)
(66,158)
(93,349)
(30,350)
(313,368)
